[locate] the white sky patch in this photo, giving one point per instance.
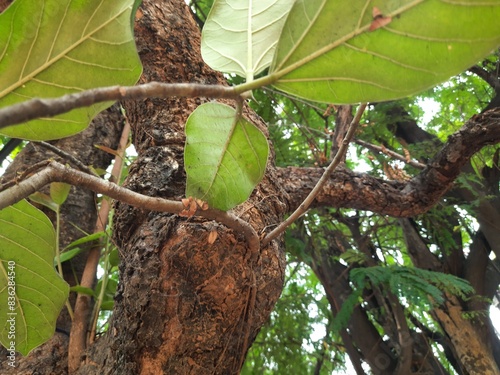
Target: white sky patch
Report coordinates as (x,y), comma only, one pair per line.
(430,107)
(495,318)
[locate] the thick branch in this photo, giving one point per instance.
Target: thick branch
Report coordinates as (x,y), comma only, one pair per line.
(400,199)
(56,172)
(35,108)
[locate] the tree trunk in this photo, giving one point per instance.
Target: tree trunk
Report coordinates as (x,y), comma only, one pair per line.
(192,296)
(186,303)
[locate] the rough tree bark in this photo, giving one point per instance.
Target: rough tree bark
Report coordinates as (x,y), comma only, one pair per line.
(186,304)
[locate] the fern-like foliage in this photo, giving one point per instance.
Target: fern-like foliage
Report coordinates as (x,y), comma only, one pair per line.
(413,285)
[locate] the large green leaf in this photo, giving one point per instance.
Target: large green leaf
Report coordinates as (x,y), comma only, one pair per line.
(51,48)
(225,156)
(31,293)
(347,51)
(240,36)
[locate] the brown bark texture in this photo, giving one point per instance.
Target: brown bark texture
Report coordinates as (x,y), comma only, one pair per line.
(186,304)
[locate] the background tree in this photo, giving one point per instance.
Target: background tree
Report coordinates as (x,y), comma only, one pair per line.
(189,303)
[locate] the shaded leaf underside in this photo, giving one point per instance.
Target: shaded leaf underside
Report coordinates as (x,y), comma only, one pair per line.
(60,47)
(328,53)
(27,248)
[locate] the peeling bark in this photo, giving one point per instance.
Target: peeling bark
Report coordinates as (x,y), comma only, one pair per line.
(472,352)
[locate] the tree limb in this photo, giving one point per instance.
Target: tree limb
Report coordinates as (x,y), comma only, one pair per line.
(322,181)
(35,108)
(392,154)
(349,189)
(56,172)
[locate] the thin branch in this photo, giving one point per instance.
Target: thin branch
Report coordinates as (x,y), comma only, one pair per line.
(56,172)
(491,78)
(66,156)
(79,327)
(392,154)
(35,108)
(322,181)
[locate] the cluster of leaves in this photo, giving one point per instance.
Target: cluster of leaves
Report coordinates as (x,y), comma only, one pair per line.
(298,334)
(414,285)
(419,291)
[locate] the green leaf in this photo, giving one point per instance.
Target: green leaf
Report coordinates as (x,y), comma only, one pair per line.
(327,52)
(109,293)
(59,47)
(88,238)
(83,290)
(240,36)
(45,200)
(59,192)
(225,157)
(73,249)
(114,257)
(30,289)
(68,255)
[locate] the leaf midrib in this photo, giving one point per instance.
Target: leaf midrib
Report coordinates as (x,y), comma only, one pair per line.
(56,58)
(229,137)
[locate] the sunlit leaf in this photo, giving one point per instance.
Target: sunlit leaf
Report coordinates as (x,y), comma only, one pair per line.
(57,47)
(328,53)
(30,289)
(224,159)
(240,36)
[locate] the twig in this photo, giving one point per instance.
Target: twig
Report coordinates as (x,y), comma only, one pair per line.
(66,156)
(56,172)
(25,173)
(392,154)
(322,181)
(35,108)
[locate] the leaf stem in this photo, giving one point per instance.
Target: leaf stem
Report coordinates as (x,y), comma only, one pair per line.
(255,84)
(58,256)
(321,182)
